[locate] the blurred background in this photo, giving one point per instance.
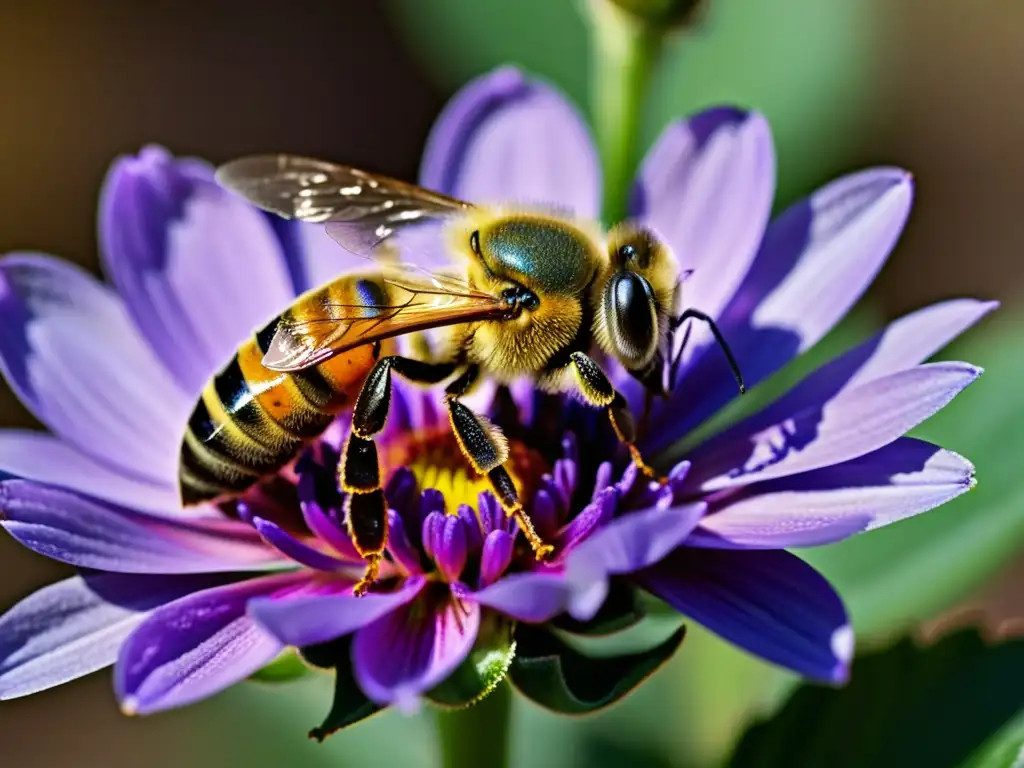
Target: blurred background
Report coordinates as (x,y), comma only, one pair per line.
(930,85)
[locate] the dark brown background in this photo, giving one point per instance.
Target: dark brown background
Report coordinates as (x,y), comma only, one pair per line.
(83,82)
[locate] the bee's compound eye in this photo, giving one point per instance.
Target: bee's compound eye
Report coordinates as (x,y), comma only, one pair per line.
(529,299)
(631,316)
(474,242)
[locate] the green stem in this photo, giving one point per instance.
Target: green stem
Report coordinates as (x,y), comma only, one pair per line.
(478,735)
(625,51)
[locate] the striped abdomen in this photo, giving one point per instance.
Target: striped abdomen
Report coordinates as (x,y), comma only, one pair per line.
(250,421)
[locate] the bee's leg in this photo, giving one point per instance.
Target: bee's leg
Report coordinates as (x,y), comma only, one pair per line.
(359,471)
(486,448)
(598,391)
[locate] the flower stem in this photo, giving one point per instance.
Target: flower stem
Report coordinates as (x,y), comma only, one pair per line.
(625,51)
(478,735)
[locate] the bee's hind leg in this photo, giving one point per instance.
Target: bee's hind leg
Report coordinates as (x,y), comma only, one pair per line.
(486,448)
(598,391)
(366,511)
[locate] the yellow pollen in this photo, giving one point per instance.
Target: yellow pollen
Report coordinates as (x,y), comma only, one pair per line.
(436,461)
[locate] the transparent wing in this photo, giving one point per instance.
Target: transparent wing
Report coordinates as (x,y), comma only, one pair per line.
(361,209)
(413,302)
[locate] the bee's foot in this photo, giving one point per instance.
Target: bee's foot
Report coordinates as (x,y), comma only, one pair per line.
(369,576)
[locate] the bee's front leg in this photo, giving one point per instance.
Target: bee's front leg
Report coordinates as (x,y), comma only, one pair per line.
(486,448)
(597,390)
(366,511)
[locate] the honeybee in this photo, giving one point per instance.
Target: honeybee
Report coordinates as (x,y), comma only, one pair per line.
(531,294)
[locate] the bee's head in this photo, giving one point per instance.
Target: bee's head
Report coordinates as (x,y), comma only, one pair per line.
(634,298)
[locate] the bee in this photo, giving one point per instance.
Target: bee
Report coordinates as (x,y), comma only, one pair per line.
(531,294)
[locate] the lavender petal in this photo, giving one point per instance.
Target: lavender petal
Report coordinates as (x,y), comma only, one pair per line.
(902,479)
(171,240)
(504,137)
(855,422)
(816,260)
(74,627)
(70,352)
(707,186)
(47,459)
(91,534)
(496,556)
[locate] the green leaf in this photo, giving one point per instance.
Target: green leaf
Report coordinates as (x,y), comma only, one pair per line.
(751,54)
(483,670)
(286,667)
(896,576)
(1004,750)
(622,609)
(906,705)
(350,704)
(559,678)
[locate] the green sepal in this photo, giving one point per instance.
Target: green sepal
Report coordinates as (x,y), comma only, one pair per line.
(484,668)
(561,679)
(622,609)
(350,704)
(286,667)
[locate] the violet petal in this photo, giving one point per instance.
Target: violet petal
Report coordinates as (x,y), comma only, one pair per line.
(197,646)
(91,534)
(768,602)
(628,543)
(496,556)
(533,597)
(308,620)
(450,552)
(413,648)
(296,550)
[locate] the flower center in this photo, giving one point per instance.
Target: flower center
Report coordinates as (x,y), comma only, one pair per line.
(435,459)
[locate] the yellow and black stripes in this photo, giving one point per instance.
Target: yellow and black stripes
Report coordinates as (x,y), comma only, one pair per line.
(250,421)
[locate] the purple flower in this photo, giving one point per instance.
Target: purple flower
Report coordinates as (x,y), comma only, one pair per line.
(188,602)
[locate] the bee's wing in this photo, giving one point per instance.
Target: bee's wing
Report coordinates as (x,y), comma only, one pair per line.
(361,209)
(416,302)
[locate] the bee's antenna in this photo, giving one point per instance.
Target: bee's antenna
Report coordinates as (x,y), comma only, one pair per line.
(696,314)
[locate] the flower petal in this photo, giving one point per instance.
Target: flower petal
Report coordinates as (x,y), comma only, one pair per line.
(855,422)
(93,534)
(311,619)
(706,187)
(504,138)
(69,351)
(898,481)
(627,544)
(76,626)
(906,343)
(199,268)
(816,260)
(294,549)
(47,459)
(412,649)
(197,646)
(768,602)
(532,596)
